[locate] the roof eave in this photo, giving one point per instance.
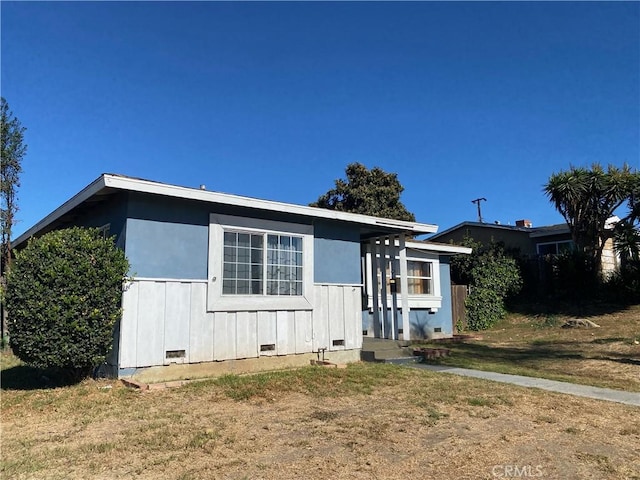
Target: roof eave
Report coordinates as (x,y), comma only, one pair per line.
(118,182)
(86,193)
(146,186)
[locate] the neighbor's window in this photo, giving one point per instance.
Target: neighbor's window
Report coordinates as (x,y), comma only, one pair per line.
(262,264)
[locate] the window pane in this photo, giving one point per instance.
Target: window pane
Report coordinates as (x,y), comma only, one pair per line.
(229,271)
(256,288)
(297,260)
(256,272)
(230,254)
(284,273)
(242,270)
(272,272)
(272,287)
(426,269)
(243,240)
(229,238)
(285,242)
(298,288)
(283,288)
(296,244)
(229,287)
(243,287)
(244,255)
(256,255)
(272,241)
(272,257)
(296,273)
(284,258)
(256,241)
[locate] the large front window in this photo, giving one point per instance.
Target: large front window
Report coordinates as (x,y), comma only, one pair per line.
(262,264)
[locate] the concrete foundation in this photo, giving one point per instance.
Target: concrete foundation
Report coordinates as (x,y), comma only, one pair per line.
(189,371)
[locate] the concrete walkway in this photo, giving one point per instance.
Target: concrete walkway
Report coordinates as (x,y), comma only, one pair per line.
(607,394)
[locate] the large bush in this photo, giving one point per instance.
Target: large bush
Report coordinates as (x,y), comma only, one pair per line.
(493,276)
(63,298)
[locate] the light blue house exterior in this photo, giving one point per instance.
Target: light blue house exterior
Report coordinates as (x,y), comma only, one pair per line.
(227,283)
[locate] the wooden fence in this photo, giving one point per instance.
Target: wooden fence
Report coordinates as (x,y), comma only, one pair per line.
(458,296)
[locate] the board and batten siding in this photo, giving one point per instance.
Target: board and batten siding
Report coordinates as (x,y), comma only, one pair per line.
(171,315)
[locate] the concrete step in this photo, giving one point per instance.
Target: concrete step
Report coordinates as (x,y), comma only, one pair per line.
(387,351)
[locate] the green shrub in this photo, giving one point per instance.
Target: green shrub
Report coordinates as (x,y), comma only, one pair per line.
(63,297)
(493,276)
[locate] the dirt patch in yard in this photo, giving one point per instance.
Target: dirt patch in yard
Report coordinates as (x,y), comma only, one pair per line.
(367,421)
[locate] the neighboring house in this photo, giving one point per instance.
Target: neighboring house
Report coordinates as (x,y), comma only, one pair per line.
(228,283)
(531,241)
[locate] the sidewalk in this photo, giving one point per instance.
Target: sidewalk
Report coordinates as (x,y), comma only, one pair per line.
(607,394)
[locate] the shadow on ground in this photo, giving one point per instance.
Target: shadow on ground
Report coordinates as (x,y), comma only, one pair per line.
(538,352)
(531,307)
(23,377)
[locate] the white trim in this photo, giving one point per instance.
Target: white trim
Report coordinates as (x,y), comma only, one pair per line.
(404,288)
(145,186)
(432,302)
(551,243)
(216,302)
(439,247)
(86,193)
(176,280)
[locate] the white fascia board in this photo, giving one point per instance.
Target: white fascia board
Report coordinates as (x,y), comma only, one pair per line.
(433,247)
(145,186)
(67,206)
(439,247)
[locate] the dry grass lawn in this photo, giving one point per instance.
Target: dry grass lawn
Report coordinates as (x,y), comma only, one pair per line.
(537,345)
(364,422)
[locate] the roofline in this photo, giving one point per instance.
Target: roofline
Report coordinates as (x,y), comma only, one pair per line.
(547,232)
(146,186)
(84,194)
(439,247)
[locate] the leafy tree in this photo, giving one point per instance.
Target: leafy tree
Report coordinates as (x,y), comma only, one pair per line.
(492,276)
(12,152)
(63,295)
(369,192)
(586,198)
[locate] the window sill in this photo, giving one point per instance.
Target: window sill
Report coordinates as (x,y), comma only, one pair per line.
(415,301)
(248,303)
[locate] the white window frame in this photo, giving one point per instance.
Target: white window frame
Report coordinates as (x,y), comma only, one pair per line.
(432,302)
(557,244)
(217,302)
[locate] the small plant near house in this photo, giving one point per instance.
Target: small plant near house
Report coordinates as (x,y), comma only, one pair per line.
(63,298)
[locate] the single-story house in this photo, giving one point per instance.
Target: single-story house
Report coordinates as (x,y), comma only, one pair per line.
(225,283)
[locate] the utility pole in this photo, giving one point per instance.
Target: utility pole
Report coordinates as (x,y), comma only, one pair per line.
(477,202)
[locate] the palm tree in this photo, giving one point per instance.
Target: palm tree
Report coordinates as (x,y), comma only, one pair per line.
(586,198)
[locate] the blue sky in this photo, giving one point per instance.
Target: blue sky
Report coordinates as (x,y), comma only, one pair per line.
(273,100)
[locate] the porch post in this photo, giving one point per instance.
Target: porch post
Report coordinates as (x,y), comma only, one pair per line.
(386,331)
(377,326)
(394,289)
(404,290)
